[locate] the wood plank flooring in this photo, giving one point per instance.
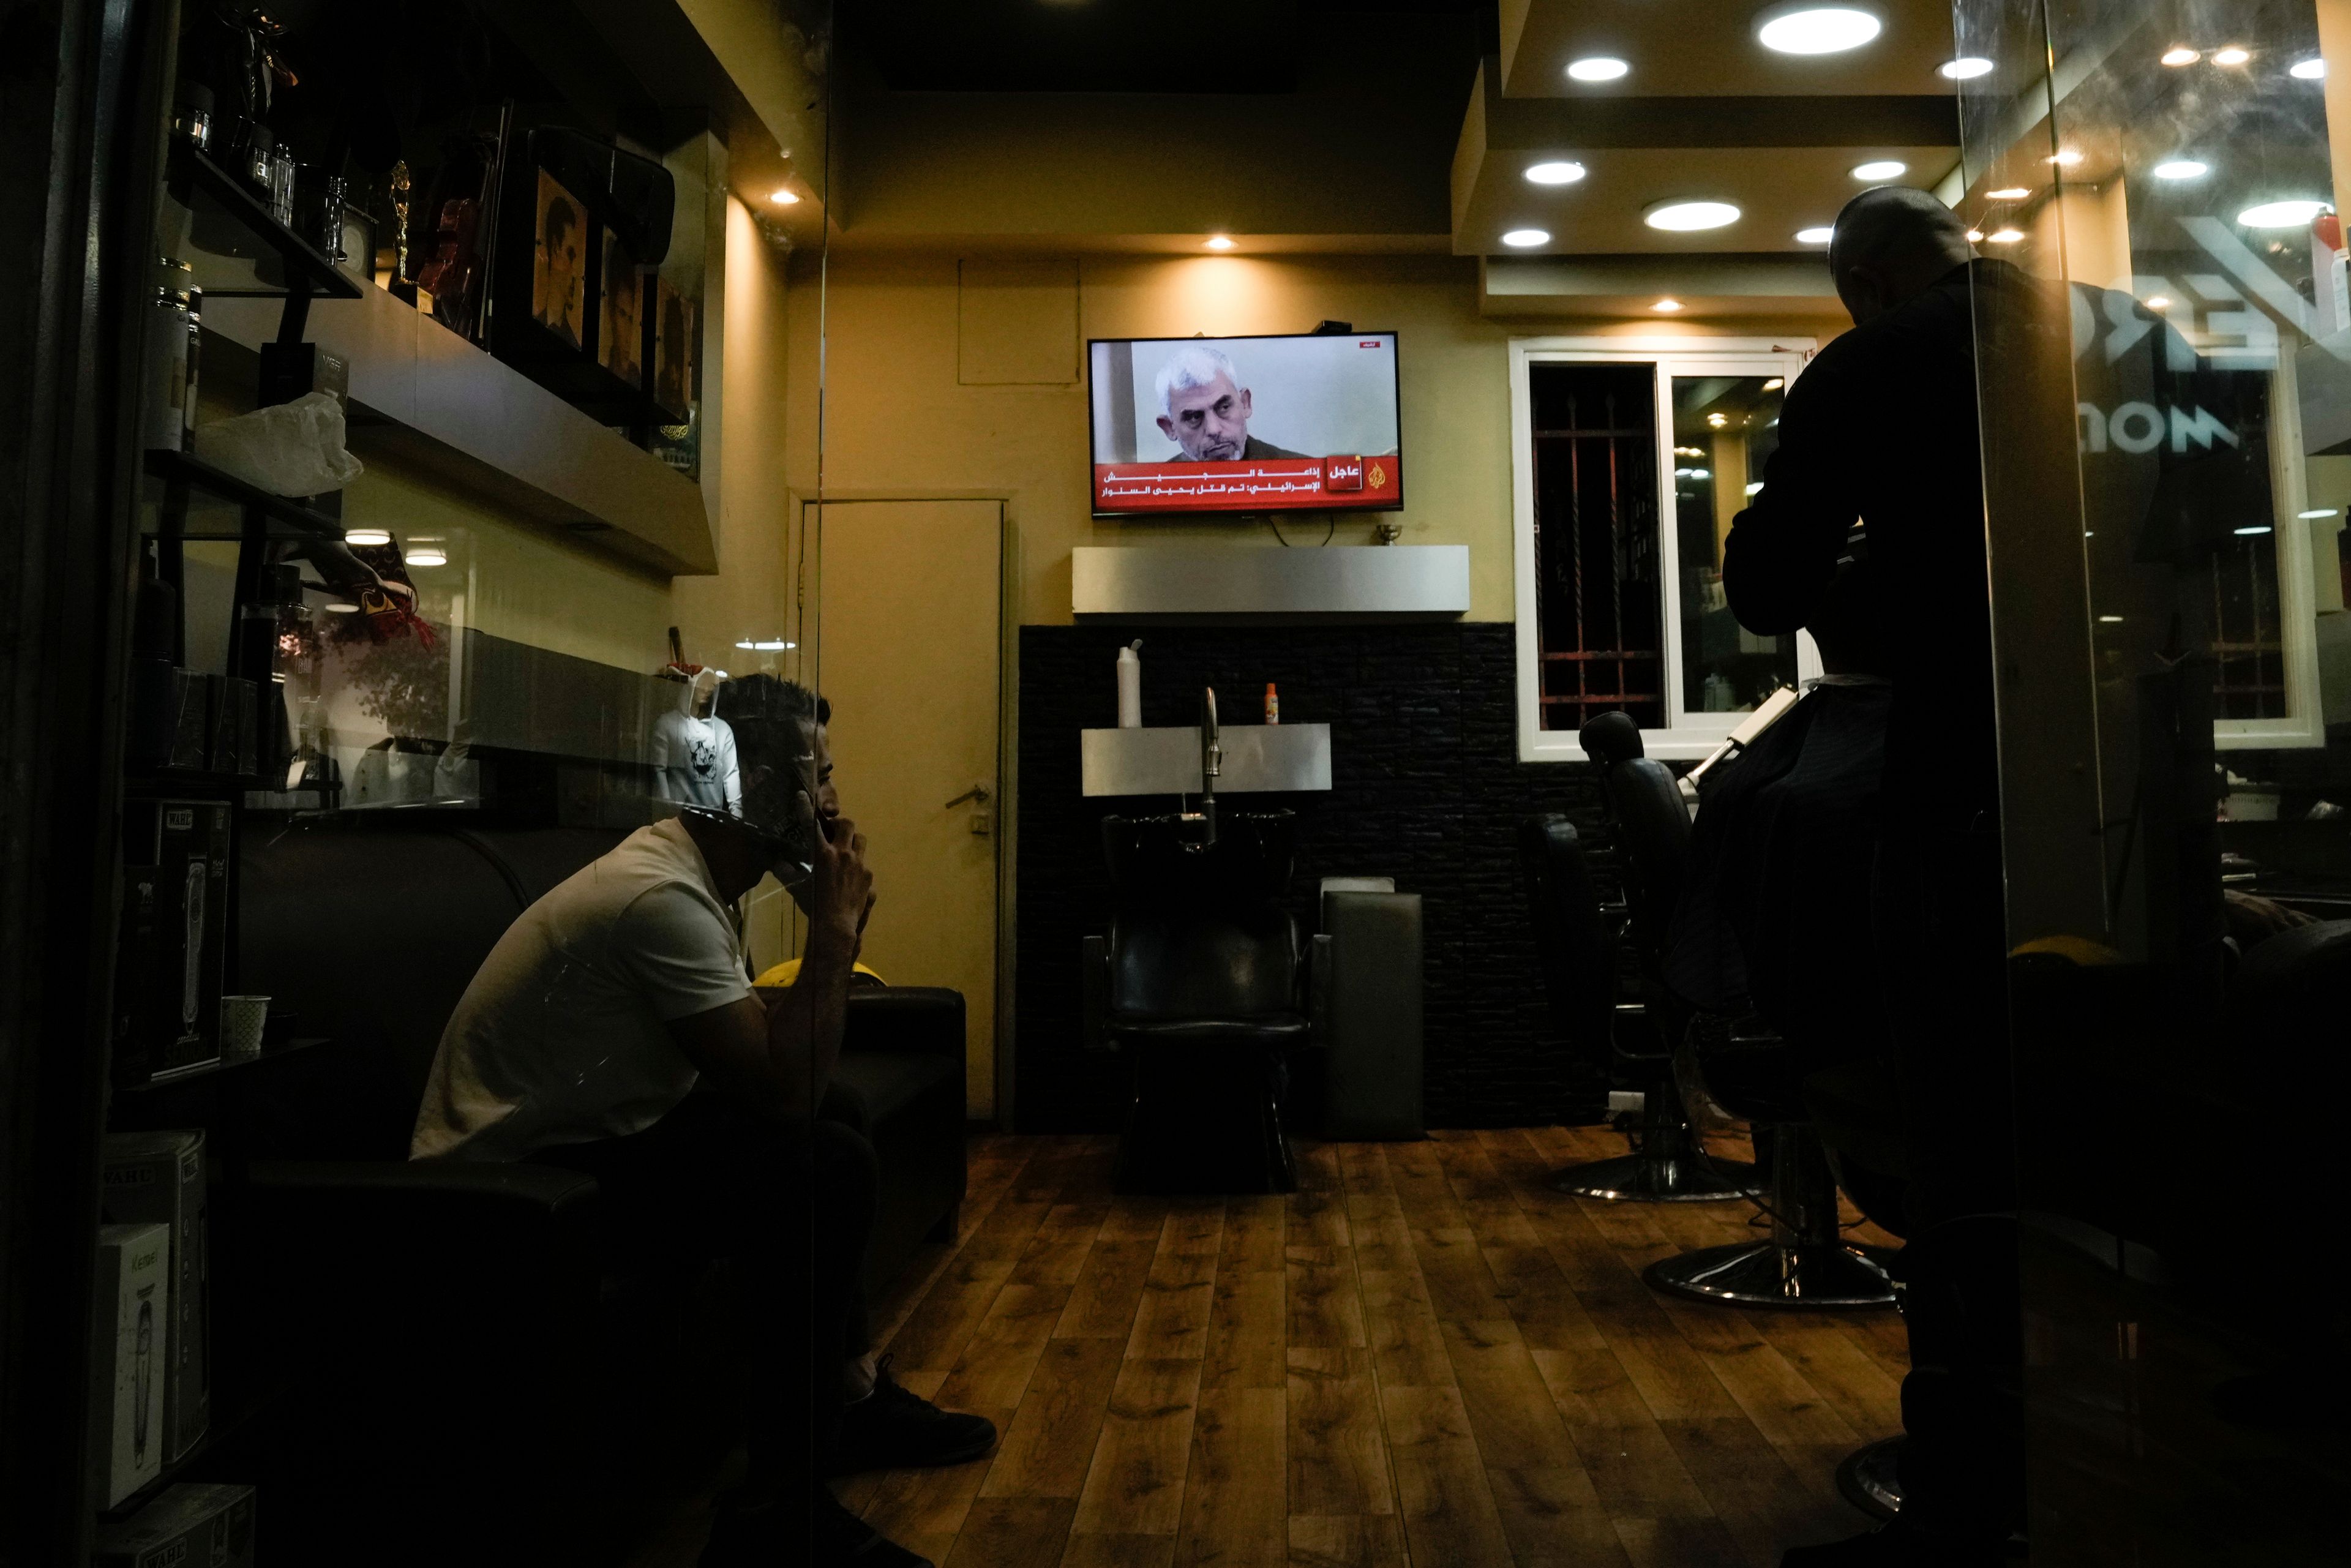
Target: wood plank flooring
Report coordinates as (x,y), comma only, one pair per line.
(1423,1356)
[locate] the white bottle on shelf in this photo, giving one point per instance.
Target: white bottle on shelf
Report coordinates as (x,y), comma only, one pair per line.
(1130,685)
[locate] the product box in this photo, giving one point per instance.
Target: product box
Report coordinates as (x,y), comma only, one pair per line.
(131,1315)
(184,1527)
(168,975)
(158,1177)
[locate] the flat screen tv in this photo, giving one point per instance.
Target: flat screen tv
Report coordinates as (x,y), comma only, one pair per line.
(1245,424)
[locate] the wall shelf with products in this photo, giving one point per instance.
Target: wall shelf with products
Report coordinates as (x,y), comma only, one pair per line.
(236,245)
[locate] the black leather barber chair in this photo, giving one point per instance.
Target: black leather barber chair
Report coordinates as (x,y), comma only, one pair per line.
(1201,982)
(1576,948)
(1806,1261)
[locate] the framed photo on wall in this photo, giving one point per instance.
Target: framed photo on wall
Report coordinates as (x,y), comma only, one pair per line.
(620,339)
(559,277)
(673,335)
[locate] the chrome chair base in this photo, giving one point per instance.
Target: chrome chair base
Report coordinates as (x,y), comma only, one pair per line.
(1816,1276)
(1656,1178)
(1870,1479)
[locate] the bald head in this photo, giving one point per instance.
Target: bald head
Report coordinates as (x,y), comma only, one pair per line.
(1891,245)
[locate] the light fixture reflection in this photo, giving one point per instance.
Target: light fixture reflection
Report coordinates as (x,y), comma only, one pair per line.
(2180,57)
(1813,29)
(1218,242)
(2287,215)
(2321,512)
(1687,217)
(2232,56)
(2005,236)
(367,537)
(427,555)
(1559,172)
(2008,194)
(1668,306)
(1966,68)
(339,608)
(766,645)
(2158,302)
(1774,384)
(2182,169)
(1820,235)
(2248,533)
(1522,239)
(1881,168)
(1975,236)
(1597,68)
(784,197)
(2065,158)
(2311,69)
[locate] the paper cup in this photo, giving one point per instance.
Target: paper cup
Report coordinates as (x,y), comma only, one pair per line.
(242,1020)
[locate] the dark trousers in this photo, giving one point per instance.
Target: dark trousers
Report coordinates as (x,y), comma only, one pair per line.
(1942,933)
(790,1211)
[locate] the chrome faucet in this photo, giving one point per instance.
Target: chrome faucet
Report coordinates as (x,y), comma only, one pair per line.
(1212,763)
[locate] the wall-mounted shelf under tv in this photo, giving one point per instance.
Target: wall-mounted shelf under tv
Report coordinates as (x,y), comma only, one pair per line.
(1257,759)
(283,515)
(236,247)
(1252,582)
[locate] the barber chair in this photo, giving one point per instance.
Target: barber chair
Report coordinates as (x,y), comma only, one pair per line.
(1201,981)
(1577,952)
(1806,1261)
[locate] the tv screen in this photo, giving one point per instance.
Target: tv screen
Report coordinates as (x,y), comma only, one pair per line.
(1245,424)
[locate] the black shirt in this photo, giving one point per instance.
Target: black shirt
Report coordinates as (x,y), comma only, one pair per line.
(1882,428)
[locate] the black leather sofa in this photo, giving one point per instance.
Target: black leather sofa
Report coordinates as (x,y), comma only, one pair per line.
(467,1365)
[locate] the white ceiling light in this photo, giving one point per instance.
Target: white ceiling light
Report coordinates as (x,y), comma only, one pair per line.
(339,608)
(2232,56)
(1966,68)
(2321,512)
(2008,194)
(1774,384)
(1597,68)
(2158,301)
(2005,236)
(428,555)
(2065,158)
(2182,169)
(2292,215)
(2256,528)
(1975,236)
(1881,168)
(367,537)
(1526,238)
(1819,235)
(1687,217)
(1218,242)
(784,197)
(1807,29)
(2180,57)
(2311,69)
(1668,306)
(1559,172)
(766,645)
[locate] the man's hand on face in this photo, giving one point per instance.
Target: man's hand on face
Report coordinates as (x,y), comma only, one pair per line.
(842,887)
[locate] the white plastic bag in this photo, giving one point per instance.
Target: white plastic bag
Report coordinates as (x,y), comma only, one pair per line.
(288,449)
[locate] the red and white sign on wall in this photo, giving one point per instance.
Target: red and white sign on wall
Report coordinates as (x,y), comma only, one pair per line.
(1250,484)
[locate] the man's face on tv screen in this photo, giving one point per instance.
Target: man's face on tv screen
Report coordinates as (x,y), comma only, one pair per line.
(1209,422)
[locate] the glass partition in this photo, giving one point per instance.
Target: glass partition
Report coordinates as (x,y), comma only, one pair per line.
(2167,417)
(1725,427)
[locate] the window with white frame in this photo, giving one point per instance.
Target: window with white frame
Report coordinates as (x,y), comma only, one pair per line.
(1630,457)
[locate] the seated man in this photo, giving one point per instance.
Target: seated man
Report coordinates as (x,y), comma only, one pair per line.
(612,1031)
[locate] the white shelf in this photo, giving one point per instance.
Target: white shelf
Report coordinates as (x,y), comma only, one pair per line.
(1266,583)
(1259,758)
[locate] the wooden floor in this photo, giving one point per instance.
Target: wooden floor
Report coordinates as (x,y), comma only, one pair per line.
(1423,1356)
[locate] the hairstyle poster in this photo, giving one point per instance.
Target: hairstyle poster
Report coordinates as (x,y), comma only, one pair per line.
(558,275)
(619,337)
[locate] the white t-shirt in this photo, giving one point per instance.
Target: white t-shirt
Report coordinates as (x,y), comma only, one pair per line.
(694,761)
(562,1036)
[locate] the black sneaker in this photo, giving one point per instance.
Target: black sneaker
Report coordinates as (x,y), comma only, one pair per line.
(892,1430)
(826,1535)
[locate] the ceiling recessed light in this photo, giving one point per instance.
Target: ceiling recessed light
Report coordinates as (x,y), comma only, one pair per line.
(2008,194)
(1597,68)
(1966,68)
(2290,215)
(2182,169)
(1975,236)
(1218,242)
(1820,234)
(766,644)
(1805,29)
(2232,56)
(1668,306)
(1774,384)
(2321,512)
(339,608)
(1524,239)
(2249,533)
(2180,57)
(1686,218)
(2311,69)
(367,537)
(1559,172)
(2158,301)
(784,197)
(2110,619)
(1881,168)
(2065,158)
(2005,236)
(427,555)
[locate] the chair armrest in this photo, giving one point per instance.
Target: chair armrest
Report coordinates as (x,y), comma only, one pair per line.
(922,1020)
(1093,968)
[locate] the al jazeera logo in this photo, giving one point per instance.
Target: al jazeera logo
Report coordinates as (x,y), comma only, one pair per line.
(1377,477)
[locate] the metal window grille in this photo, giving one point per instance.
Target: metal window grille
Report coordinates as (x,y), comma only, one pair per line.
(1599,588)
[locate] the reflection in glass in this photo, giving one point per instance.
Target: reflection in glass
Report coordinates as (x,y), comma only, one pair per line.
(1724,429)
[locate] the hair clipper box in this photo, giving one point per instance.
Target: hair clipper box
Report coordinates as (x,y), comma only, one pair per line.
(158,1177)
(130,1312)
(186,1527)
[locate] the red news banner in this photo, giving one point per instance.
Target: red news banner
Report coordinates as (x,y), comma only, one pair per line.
(1261,484)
